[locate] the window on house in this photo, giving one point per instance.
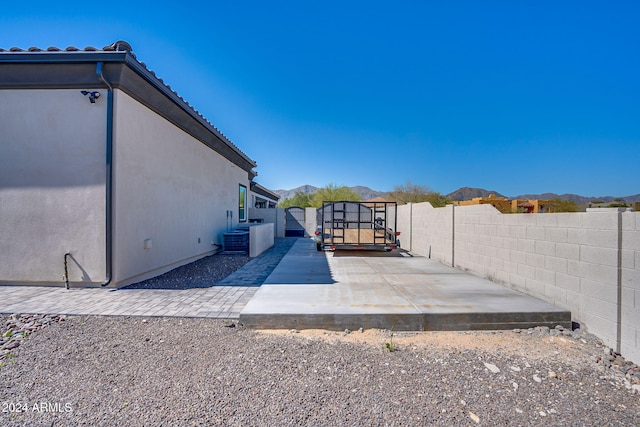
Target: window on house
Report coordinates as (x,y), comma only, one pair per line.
(242,204)
(260,203)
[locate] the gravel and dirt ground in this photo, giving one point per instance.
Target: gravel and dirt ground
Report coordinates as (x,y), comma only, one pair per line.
(134,371)
(202,273)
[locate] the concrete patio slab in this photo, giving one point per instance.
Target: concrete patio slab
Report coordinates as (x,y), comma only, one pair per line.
(310,289)
(337,291)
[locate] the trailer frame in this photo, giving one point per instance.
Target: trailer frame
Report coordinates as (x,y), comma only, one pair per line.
(357,226)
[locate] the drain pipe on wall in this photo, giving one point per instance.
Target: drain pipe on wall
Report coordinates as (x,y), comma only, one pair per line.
(109,176)
(66,271)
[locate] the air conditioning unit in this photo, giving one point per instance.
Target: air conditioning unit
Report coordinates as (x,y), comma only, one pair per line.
(236,242)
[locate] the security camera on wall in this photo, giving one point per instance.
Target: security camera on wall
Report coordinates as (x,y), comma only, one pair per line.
(92,95)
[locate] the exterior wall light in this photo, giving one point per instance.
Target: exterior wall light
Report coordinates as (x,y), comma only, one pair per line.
(92,95)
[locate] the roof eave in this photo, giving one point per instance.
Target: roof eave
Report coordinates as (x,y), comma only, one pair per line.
(128,58)
(158,84)
(259,189)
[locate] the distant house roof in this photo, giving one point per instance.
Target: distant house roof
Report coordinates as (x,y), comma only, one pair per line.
(69,68)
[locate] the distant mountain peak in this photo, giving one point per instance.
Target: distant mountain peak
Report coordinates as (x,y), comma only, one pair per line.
(468,193)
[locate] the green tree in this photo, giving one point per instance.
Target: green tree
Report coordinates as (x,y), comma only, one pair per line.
(414,193)
(559,205)
(438,200)
(618,203)
(334,193)
(299,199)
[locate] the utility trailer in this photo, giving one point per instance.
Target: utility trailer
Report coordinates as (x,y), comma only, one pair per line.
(357,226)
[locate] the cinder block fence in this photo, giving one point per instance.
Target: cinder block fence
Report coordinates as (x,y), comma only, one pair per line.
(587,262)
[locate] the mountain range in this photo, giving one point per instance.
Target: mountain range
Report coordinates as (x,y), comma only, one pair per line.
(468,193)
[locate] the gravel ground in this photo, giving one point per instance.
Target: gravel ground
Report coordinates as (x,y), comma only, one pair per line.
(203,273)
(210,270)
(116,371)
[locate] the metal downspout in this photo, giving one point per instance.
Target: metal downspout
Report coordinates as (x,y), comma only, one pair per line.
(109,176)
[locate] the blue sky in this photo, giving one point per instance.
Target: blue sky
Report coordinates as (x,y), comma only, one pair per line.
(516,97)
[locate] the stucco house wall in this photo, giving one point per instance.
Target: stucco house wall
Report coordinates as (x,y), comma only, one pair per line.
(262,198)
(52,186)
(170,190)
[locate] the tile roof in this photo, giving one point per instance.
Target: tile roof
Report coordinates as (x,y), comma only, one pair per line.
(119,46)
(123,46)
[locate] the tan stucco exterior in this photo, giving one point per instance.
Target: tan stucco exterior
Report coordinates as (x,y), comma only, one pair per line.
(170,189)
(52,178)
(71,210)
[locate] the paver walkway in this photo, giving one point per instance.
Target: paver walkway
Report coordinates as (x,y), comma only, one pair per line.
(224,300)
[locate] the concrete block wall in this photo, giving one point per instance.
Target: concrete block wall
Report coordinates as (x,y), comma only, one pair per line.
(426,230)
(273,216)
(310,221)
(587,262)
(630,285)
(405,225)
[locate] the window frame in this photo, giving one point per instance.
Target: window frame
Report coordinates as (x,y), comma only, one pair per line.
(242,203)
